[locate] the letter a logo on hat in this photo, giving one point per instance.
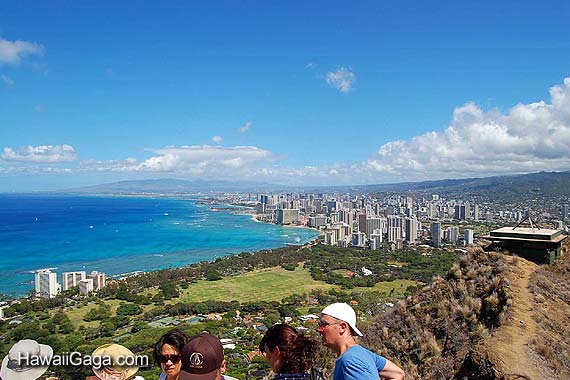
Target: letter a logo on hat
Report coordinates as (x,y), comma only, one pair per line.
(196,360)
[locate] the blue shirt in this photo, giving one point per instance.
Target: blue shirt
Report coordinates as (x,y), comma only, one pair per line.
(358,363)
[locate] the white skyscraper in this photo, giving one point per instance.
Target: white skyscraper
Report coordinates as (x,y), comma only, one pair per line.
(468,237)
(394,234)
(71,279)
(377,237)
(46,283)
(99,279)
(85,286)
(453,234)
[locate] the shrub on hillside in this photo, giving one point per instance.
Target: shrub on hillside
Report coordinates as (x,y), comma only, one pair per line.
(431,333)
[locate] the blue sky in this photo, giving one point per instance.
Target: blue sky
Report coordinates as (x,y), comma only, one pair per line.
(296,92)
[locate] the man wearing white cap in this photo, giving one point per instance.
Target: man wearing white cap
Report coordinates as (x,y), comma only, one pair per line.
(337,327)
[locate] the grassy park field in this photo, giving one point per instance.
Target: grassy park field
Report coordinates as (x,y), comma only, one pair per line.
(271,284)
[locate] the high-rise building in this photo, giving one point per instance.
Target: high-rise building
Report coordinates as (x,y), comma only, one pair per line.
(333,205)
(346,216)
(317,221)
(436,234)
(260,208)
(71,279)
(287,216)
(362,222)
(462,211)
(411,229)
(85,286)
(46,283)
(468,236)
(372,224)
(564,212)
(331,237)
(377,238)
(99,279)
(358,239)
(476,212)
(394,234)
(453,234)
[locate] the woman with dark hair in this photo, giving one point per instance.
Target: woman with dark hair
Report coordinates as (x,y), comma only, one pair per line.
(289,353)
(166,354)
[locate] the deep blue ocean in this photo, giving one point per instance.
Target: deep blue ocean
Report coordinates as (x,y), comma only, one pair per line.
(121,234)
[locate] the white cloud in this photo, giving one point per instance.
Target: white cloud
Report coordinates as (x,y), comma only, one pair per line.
(205,159)
(128,165)
(310,66)
(528,138)
(198,160)
(7,80)
(217,139)
(41,154)
(342,79)
(12,52)
(244,128)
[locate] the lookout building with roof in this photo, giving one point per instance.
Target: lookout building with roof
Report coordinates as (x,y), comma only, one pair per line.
(540,245)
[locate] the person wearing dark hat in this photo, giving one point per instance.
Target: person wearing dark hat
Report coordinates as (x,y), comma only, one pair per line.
(337,327)
(202,358)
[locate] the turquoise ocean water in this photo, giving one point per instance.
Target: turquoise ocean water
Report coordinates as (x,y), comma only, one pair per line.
(121,234)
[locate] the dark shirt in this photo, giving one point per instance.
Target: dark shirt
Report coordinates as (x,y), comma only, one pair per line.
(292,376)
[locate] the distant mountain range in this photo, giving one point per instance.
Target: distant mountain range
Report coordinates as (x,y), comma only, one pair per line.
(537,184)
(169,185)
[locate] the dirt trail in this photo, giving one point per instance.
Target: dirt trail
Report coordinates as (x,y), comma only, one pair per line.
(509,347)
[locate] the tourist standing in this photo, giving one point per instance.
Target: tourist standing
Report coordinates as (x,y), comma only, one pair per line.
(337,327)
(289,353)
(167,352)
(202,358)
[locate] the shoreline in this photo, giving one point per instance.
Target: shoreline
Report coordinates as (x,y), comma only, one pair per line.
(254,218)
(175,260)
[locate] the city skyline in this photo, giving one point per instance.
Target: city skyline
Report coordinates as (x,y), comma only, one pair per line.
(297,93)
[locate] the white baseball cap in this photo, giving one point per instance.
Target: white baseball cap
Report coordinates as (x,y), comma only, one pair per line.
(343,312)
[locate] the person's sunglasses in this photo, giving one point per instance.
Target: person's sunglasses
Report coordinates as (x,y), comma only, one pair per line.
(323,324)
(173,358)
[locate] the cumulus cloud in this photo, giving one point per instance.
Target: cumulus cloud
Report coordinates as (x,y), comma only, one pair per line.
(40,154)
(217,139)
(527,138)
(200,159)
(342,79)
(196,160)
(244,128)
(7,80)
(12,52)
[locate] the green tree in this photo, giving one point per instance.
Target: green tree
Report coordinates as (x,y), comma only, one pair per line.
(128,309)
